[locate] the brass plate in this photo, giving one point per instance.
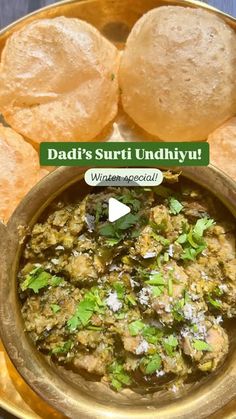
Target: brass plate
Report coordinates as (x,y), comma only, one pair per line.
(114,18)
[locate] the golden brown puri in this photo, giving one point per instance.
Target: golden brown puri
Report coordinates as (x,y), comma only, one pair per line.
(178,73)
(20,170)
(58,80)
(223,147)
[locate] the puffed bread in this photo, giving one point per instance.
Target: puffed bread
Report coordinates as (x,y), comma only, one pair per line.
(20,170)
(58,80)
(178,73)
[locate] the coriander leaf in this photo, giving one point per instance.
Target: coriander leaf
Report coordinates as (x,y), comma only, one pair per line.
(166,257)
(160,239)
(157,290)
(116,384)
(54,281)
(112,242)
(135,234)
(182,239)
(152,334)
(214,303)
(107,230)
(130,299)
(170,287)
(90,304)
(73,323)
(55,308)
(195,328)
(36,280)
(130,200)
(175,206)
(171,340)
(152,363)
(99,211)
(118,376)
(200,345)
(194,239)
(85,310)
(191,254)
(136,327)
(126,222)
(97,328)
(63,349)
(120,289)
(116,229)
(202,225)
(170,344)
(156,279)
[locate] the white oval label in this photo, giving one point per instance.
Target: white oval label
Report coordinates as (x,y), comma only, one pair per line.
(123,177)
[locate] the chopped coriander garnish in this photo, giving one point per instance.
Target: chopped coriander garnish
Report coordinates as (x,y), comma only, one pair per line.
(91,304)
(63,349)
(182,238)
(118,376)
(130,299)
(159,238)
(166,257)
(152,334)
(151,363)
(156,279)
(190,254)
(98,212)
(193,242)
(200,345)
(175,206)
(117,229)
(120,289)
(170,286)
(112,242)
(136,327)
(129,199)
(215,303)
(157,291)
(38,279)
(170,344)
(177,310)
(55,308)
(202,225)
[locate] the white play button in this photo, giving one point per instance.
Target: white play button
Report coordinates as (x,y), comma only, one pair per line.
(116,209)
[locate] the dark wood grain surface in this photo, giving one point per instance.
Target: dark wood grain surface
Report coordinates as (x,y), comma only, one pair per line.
(11,10)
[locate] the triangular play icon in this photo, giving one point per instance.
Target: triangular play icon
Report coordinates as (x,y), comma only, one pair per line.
(116,209)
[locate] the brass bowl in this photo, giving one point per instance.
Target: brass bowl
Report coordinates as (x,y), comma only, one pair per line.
(68,392)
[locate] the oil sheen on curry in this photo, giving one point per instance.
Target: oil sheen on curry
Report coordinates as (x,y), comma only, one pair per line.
(141,302)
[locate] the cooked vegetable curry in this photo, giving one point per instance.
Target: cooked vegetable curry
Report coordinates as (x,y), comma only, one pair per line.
(138,302)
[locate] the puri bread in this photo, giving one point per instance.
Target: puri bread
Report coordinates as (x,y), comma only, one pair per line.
(19,170)
(58,80)
(223,148)
(178,73)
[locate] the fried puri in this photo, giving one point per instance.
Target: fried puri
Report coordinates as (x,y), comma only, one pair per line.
(223,147)
(178,73)
(58,80)
(20,170)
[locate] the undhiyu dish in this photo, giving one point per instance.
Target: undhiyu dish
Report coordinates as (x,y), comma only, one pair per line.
(137,303)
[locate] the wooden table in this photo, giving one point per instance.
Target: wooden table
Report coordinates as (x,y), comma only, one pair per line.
(11,10)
